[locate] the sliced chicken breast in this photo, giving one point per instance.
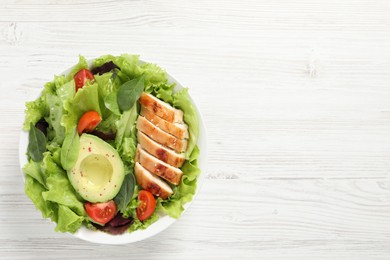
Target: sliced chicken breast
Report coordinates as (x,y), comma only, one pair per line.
(151,183)
(160,152)
(154,132)
(158,167)
(176,129)
(160,108)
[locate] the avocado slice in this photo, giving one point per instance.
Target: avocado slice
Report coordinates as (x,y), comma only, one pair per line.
(99,171)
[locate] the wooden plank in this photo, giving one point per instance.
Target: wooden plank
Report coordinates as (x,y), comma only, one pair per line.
(231,218)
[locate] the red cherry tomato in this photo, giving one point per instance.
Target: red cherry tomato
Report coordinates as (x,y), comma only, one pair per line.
(101,212)
(147,206)
(81,77)
(88,121)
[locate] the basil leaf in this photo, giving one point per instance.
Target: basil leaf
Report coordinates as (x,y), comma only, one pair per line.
(122,199)
(70,149)
(130,92)
(37,144)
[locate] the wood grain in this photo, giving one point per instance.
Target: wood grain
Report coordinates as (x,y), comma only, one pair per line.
(295,97)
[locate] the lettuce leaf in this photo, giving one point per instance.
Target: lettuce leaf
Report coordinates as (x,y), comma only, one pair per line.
(54,118)
(109,125)
(143,224)
(129,68)
(131,212)
(125,137)
(182,101)
(162,91)
(49,166)
(126,126)
(60,88)
(129,147)
(61,192)
(86,99)
(35,110)
(103,59)
(66,91)
(82,64)
(55,151)
(108,88)
(68,221)
(184,192)
(33,169)
(53,194)
(154,75)
(34,191)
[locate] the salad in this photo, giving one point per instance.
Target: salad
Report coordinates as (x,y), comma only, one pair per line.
(111,146)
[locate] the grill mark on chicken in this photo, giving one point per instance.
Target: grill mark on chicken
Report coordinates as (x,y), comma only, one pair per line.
(163,155)
(153,188)
(178,130)
(151,182)
(158,167)
(156,107)
(161,108)
(166,155)
(158,135)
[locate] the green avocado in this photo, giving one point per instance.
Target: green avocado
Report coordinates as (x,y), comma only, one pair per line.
(99,171)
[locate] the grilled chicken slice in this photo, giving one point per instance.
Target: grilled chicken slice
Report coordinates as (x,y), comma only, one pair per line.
(176,129)
(151,182)
(160,152)
(161,108)
(158,167)
(143,125)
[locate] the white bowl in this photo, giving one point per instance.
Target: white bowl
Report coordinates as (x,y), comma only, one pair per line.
(164,221)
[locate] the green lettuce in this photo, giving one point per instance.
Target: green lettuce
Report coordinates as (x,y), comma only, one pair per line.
(126,136)
(33,169)
(82,64)
(61,192)
(126,126)
(108,86)
(131,211)
(86,99)
(34,190)
(54,118)
(50,190)
(130,69)
(137,224)
(154,75)
(182,101)
(68,220)
(109,125)
(103,59)
(35,110)
(40,108)
(184,192)
(162,91)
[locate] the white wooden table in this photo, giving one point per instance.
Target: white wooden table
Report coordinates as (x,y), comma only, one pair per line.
(296,99)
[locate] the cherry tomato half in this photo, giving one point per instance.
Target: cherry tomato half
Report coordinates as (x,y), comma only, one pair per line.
(81,77)
(101,212)
(147,206)
(88,121)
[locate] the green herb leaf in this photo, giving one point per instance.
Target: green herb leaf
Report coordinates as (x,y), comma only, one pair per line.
(129,93)
(122,199)
(70,149)
(37,143)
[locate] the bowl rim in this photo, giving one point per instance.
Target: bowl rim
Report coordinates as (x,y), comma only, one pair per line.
(164,221)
